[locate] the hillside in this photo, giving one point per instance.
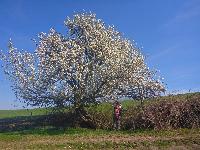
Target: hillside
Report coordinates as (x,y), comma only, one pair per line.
(39,129)
(105,106)
(174,111)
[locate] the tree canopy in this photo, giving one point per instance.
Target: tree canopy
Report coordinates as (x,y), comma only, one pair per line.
(90,63)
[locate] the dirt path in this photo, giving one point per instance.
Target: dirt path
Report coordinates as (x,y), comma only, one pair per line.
(178,140)
(102,142)
(98,139)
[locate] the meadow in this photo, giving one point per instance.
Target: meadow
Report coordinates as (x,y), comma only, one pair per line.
(33,129)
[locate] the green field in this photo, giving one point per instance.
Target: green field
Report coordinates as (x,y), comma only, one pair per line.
(22,112)
(26,129)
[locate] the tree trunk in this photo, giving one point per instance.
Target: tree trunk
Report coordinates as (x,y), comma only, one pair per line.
(82,118)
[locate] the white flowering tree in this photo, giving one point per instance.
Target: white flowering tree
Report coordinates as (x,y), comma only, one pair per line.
(92,62)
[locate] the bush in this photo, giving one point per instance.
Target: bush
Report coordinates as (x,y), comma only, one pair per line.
(172,112)
(180,111)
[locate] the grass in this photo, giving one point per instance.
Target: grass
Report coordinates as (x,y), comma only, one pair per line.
(49,137)
(105,107)
(22,112)
(80,138)
(42,111)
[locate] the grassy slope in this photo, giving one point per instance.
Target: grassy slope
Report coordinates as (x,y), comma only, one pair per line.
(103,107)
(51,138)
(22,112)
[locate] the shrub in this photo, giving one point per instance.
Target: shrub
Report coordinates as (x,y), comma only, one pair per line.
(180,111)
(169,112)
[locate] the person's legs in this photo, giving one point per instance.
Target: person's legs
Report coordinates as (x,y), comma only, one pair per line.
(114,122)
(118,124)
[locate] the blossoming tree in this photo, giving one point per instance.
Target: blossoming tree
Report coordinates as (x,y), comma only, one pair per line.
(92,62)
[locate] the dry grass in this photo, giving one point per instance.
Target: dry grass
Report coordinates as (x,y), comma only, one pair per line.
(101,139)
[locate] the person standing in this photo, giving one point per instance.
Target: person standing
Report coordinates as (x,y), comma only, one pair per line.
(117,115)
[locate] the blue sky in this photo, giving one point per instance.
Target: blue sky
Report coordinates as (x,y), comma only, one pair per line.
(167,30)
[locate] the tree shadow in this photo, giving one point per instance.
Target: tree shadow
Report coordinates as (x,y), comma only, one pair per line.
(21,123)
(51,124)
(41,124)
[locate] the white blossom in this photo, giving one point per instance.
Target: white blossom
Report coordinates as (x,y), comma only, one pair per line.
(90,63)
